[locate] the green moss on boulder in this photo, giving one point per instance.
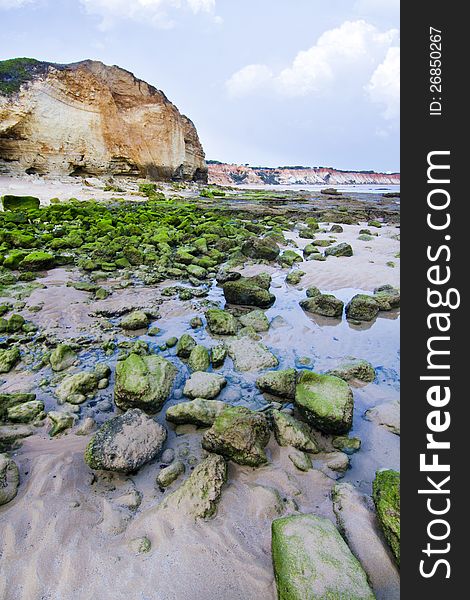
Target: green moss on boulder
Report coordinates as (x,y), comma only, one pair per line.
(386,496)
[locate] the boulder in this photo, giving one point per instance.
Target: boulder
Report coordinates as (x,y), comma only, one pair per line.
(325,305)
(199,495)
(336,229)
(354,368)
(8,359)
(256,319)
(325,401)
(250,355)
(346,444)
(74,389)
(169,474)
(125,443)
(312,292)
(199,359)
(9,479)
(26,412)
(300,460)
(386,496)
(184,346)
(248,291)
(278,383)
(143,382)
(289,257)
(135,320)
(204,385)
(343,249)
(311,560)
(10,400)
(221,322)
(19,203)
(387,297)
(362,308)
(199,412)
(62,357)
(218,355)
(294,277)
(261,248)
(239,434)
(60,421)
(37,261)
(291,432)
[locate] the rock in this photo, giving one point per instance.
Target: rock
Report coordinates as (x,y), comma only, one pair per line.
(102,371)
(171,342)
(144,382)
(132,500)
(221,322)
(86,427)
(343,249)
(387,415)
(278,383)
(197,412)
(261,248)
(26,412)
(125,443)
(300,460)
(195,323)
(9,400)
(289,257)
(137,319)
(239,434)
(184,346)
(199,495)
(250,355)
(168,456)
(37,261)
(19,203)
(125,126)
(294,277)
(336,229)
(204,385)
(387,297)
(325,305)
(196,271)
(223,276)
(60,421)
(218,355)
(199,359)
(386,496)
(362,308)
(356,519)
(256,319)
(354,368)
(312,292)
(374,224)
(62,357)
(311,560)
(291,432)
(346,444)
(169,474)
(75,388)
(140,545)
(331,461)
(325,401)
(15,324)
(248,291)
(9,479)
(8,359)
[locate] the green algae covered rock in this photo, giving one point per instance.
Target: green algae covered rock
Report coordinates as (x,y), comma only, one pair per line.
(291,432)
(346,444)
(199,495)
(184,345)
(248,291)
(278,383)
(143,382)
(199,359)
(62,357)
(261,248)
(218,355)
(354,368)
(9,400)
(343,249)
(75,388)
(239,434)
(221,322)
(289,257)
(204,385)
(37,261)
(19,203)
(325,401)
(199,412)
(256,319)
(312,561)
(169,474)
(386,496)
(9,479)
(387,296)
(25,412)
(125,443)
(362,308)
(294,277)
(8,359)
(137,319)
(60,421)
(325,305)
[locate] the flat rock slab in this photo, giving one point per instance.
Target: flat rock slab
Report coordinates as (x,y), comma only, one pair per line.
(357,520)
(312,561)
(387,415)
(204,385)
(250,355)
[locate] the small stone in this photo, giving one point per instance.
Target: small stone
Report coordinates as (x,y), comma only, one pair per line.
(198,412)
(60,421)
(169,474)
(218,355)
(9,479)
(62,357)
(184,346)
(346,444)
(291,432)
(135,320)
(140,545)
(86,427)
(204,385)
(195,323)
(168,456)
(300,460)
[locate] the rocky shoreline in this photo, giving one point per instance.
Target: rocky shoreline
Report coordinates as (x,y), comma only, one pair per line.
(182,370)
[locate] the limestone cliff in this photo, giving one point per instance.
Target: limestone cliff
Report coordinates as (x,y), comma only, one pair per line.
(91,119)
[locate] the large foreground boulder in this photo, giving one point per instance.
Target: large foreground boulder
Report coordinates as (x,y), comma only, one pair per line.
(143,382)
(249,291)
(312,561)
(197,412)
(249,355)
(325,401)
(199,495)
(239,434)
(125,443)
(386,495)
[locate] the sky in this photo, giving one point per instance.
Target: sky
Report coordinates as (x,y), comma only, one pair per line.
(266,82)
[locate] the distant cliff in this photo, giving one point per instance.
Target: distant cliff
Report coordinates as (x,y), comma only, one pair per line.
(91,119)
(225,174)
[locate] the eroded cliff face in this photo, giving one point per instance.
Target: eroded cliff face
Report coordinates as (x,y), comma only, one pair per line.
(225,174)
(89,118)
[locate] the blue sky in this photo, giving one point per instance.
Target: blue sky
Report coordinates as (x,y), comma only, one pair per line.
(267,82)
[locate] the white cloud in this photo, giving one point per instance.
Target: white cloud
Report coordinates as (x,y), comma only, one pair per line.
(345,56)
(156,12)
(384,85)
(6,4)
